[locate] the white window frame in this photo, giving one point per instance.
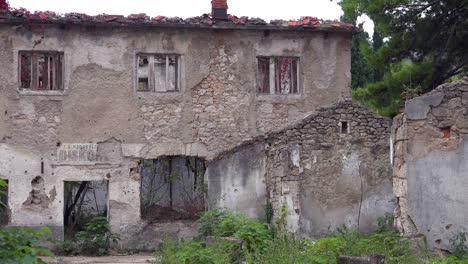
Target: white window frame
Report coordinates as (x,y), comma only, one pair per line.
(151,72)
(272,75)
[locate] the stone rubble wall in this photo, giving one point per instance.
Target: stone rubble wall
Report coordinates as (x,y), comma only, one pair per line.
(328,177)
(325,176)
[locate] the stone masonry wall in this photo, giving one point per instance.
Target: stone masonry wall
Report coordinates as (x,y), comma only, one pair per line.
(327,175)
(430,165)
(106,126)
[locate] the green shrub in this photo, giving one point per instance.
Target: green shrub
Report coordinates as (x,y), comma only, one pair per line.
(281,250)
(253,233)
(280,246)
(196,252)
(326,250)
(395,248)
(22,245)
(458,245)
(96,238)
(385,223)
(3,186)
(67,247)
(209,220)
(446,260)
(222,224)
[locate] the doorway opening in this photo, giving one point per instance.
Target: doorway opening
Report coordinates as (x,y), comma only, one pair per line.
(172,188)
(83,201)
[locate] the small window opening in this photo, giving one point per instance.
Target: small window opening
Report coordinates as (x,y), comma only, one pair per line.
(40,70)
(172,188)
(446,132)
(344,127)
(277,75)
(158,73)
(4,209)
(83,201)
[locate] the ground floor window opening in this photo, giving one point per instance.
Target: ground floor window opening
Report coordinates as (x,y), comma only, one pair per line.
(83,201)
(172,188)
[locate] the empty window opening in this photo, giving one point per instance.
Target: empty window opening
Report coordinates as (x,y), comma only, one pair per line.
(83,200)
(172,188)
(4,209)
(446,132)
(277,75)
(344,127)
(40,70)
(158,73)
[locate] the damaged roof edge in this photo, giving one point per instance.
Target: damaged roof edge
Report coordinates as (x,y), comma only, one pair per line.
(217,26)
(205,21)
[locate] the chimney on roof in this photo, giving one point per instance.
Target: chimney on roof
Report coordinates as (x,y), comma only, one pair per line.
(219,9)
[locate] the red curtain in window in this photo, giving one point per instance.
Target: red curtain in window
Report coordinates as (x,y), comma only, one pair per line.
(284,75)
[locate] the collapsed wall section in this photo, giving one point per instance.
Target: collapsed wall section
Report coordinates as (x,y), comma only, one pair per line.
(430,165)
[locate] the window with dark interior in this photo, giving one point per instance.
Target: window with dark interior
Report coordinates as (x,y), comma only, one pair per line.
(40,70)
(277,75)
(158,73)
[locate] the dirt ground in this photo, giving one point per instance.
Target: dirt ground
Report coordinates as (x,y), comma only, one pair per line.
(102,260)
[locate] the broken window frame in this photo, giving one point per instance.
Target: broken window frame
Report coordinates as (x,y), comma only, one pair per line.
(151,84)
(54,62)
(273,76)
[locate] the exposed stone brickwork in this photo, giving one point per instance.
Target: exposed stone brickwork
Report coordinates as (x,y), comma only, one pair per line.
(221,103)
(327,173)
(316,168)
(429,172)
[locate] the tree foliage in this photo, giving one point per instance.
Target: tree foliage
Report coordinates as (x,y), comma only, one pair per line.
(425,46)
(3,186)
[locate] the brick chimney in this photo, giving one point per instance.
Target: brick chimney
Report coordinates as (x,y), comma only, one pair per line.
(219,9)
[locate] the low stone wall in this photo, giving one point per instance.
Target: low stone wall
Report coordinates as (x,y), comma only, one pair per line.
(430,164)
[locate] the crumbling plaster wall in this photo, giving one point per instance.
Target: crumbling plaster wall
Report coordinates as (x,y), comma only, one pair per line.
(217,106)
(430,165)
(326,177)
(237,181)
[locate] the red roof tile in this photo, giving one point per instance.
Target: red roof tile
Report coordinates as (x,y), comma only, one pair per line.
(17,15)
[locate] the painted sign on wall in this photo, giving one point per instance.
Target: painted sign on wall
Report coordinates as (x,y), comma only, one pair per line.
(77,153)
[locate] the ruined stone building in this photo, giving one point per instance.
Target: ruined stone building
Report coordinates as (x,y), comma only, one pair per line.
(249,114)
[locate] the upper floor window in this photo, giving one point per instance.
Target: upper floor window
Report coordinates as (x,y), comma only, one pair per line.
(158,72)
(277,75)
(41,70)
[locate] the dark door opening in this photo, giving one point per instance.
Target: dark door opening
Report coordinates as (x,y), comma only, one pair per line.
(172,188)
(83,200)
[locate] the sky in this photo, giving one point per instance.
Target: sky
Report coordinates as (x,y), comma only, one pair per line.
(266,9)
